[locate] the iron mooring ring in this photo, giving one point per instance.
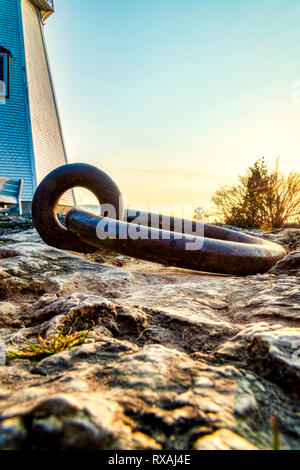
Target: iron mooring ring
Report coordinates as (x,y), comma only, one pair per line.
(220,250)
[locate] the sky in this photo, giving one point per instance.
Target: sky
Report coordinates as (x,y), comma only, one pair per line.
(173,98)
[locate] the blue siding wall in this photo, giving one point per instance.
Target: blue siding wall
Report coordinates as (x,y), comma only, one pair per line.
(15,144)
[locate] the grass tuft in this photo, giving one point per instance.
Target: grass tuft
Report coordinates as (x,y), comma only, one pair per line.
(276,435)
(48,347)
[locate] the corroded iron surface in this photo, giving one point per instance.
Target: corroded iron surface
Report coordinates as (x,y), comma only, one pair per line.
(49,192)
(220,250)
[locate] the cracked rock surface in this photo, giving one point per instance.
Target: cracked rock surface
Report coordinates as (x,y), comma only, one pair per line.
(174,359)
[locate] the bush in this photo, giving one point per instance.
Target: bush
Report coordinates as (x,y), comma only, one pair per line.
(261,198)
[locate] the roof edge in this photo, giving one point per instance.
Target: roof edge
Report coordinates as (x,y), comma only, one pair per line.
(45,7)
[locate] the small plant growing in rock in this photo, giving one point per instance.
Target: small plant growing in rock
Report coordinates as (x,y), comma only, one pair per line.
(48,347)
(276,435)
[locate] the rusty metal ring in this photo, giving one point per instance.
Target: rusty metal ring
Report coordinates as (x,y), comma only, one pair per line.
(49,192)
(222,250)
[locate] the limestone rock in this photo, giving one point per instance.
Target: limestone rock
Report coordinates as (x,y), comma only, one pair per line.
(290,264)
(174,359)
(276,356)
(223,440)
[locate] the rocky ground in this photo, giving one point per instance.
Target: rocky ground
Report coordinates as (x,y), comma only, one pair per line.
(174,359)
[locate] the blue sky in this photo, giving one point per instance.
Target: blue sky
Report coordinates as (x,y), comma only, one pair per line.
(174,97)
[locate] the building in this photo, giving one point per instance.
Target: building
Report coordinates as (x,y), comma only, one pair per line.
(31,138)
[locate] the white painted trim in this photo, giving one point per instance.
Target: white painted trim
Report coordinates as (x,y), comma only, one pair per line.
(55,100)
(27,105)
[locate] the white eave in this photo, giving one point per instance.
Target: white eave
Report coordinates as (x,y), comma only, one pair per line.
(45,7)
